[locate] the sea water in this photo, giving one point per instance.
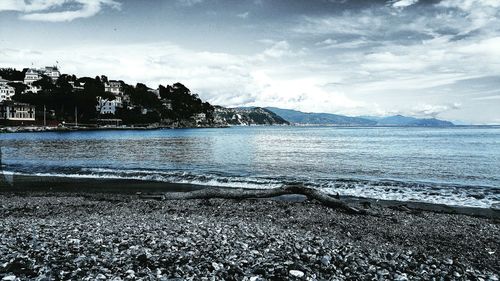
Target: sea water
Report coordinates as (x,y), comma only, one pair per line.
(455,166)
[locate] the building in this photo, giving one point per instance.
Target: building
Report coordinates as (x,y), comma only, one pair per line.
(77,86)
(105,106)
(6,92)
(52,72)
(31,76)
(114,87)
(14,113)
(200,117)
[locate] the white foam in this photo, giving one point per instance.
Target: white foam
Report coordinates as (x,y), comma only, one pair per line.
(403,191)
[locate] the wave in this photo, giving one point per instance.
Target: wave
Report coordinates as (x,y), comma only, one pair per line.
(384,189)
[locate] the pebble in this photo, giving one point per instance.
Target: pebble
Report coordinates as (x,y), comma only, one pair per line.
(325,260)
(296,273)
(9,278)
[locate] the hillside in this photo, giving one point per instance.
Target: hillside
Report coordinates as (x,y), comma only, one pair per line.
(400,120)
(248,116)
(305,118)
(298,117)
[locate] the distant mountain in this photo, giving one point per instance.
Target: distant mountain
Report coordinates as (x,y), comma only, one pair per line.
(248,116)
(298,117)
(400,120)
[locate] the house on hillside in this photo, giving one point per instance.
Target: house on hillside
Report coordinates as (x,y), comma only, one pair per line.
(52,72)
(6,92)
(200,118)
(114,87)
(14,113)
(77,86)
(109,106)
(30,77)
(105,106)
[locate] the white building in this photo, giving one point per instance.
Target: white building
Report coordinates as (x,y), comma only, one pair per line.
(78,86)
(105,106)
(14,113)
(6,92)
(52,72)
(114,87)
(31,76)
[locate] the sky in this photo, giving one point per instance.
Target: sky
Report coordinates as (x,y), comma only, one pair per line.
(422,58)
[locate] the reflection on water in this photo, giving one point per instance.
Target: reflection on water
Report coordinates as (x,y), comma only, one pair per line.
(431,164)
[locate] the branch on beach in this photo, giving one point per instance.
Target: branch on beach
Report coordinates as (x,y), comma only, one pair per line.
(239,194)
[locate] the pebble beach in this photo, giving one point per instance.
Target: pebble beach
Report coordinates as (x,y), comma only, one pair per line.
(107,236)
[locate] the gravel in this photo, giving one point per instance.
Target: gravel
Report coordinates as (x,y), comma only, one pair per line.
(58,236)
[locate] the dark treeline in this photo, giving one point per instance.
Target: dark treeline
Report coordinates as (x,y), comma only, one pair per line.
(141,106)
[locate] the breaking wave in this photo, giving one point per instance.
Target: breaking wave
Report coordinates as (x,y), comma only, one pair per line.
(385,189)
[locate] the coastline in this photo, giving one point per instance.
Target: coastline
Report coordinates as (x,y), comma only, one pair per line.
(42,184)
(41,129)
(50,230)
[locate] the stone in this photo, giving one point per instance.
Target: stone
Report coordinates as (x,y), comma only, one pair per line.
(325,260)
(296,273)
(9,278)
(217,266)
(400,277)
(101,276)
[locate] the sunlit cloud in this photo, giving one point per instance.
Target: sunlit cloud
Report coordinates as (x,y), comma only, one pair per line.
(57,10)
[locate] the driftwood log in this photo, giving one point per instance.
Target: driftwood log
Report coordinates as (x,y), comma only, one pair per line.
(239,194)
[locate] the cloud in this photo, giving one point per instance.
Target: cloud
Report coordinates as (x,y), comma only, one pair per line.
(221,78)
(429,110)
(243,15)
(278,50)
(407,57)
(402,3)
(189,3)
(495,97)
(43,10)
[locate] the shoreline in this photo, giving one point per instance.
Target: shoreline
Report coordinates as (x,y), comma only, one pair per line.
(41,184)
(35,129)
(41,129)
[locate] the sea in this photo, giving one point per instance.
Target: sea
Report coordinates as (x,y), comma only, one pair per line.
(457,166)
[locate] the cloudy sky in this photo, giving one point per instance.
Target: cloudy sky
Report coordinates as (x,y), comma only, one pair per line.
(425,58)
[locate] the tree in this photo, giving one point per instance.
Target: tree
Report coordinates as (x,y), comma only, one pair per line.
(12,74)
(141,96)
(18,87)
